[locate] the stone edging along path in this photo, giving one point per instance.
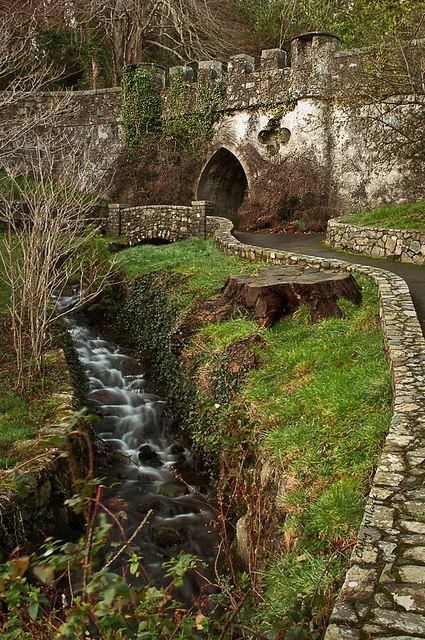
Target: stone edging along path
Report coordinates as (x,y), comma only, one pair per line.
(383,595)
(408,245)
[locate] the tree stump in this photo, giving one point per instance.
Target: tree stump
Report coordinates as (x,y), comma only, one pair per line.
(279,290)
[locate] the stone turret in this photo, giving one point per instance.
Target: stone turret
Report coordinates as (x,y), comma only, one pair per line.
(312,57)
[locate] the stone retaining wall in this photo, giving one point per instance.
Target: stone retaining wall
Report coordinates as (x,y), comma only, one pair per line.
(161,221)
(383,595)
(408,246)
(32,501)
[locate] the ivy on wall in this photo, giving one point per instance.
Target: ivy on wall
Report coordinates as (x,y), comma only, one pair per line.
(191,115)
(187,122)
(141,105)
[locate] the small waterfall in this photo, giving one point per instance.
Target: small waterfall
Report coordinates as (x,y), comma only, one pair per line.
(156,473)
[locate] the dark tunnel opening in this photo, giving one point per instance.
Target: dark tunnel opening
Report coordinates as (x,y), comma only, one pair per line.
(224,183)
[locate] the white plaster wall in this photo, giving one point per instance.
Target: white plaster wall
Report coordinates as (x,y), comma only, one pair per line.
(335,139)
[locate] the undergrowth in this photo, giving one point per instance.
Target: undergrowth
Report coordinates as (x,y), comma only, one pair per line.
(21,416)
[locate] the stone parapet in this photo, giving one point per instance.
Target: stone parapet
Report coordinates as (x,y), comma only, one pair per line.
(161,221)
(405,245)
(383,595)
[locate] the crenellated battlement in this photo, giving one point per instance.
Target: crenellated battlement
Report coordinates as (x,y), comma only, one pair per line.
(249,84)
(317,69)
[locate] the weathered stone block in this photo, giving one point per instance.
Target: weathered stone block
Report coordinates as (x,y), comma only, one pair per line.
(181,72)
(241,64)
(273,59)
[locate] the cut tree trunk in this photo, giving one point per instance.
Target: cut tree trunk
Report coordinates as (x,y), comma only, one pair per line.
(279,290)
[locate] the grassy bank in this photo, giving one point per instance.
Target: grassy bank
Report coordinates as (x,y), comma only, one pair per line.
(203,267)
(406,216)
(299,429)
(23,415)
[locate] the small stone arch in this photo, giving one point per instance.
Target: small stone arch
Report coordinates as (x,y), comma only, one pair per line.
(224,182)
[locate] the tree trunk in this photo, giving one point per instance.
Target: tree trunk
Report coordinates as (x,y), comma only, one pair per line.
(278,291)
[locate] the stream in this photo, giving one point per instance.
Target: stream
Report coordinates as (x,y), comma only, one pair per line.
(157,473)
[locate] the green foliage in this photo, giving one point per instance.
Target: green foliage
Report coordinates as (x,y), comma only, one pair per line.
(141,105)
(103,604)
(300,586)
(402,216)
(358,22)
(72,55)
(96,59)
(106,600)
(190,117)
(221,335)
(63,53)
(22,417)
(151,329)
(187,124)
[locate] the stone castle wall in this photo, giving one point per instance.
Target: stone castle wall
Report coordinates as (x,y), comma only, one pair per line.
(315,122)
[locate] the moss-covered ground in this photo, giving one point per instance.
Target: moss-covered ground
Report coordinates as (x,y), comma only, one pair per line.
(314,412)
(403,216)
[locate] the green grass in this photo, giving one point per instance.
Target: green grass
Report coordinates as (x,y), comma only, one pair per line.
(316,410)
(406,216)
(321,405)
(204,268)
(23,415)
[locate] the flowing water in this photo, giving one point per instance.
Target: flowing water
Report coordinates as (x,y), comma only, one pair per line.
(156,473)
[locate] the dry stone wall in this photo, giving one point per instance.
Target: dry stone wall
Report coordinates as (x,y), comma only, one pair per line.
(164,222)
(383,595)
(406,245)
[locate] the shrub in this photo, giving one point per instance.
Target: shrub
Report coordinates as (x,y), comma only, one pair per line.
(291,196)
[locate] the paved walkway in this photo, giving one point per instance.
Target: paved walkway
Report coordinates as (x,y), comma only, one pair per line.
(313,245)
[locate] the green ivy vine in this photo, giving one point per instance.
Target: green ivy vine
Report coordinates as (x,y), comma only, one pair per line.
(141,112)
(188,120)
(191,116)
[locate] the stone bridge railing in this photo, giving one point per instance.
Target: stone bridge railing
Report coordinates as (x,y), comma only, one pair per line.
(160,221)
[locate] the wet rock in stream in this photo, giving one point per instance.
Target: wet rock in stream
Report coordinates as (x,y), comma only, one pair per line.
(152,472)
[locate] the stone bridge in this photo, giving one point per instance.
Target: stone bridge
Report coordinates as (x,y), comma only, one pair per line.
(271,113)
(163,222)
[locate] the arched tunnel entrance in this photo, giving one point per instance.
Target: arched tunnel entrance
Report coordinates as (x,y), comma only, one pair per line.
(223,182)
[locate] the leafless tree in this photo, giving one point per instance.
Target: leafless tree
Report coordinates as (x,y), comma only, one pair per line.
(23,77)
(184,29)
(47,245)
(387,90)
